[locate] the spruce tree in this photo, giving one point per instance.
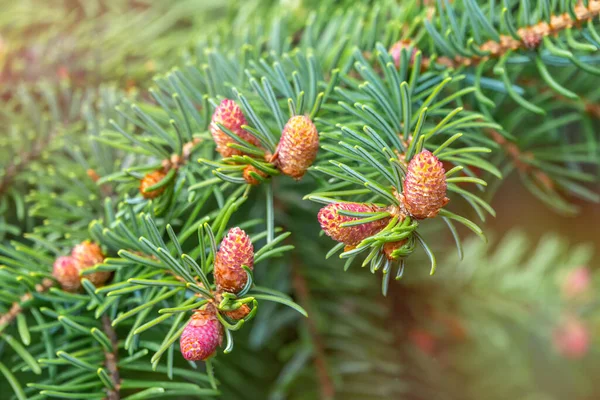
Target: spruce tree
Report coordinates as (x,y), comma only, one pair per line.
(290,199)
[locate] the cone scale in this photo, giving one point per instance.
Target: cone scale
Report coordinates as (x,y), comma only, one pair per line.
(330,221)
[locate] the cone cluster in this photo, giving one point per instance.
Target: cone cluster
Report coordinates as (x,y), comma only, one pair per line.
(296,151)
(67,269)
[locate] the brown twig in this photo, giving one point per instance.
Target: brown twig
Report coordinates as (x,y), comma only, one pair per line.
(530,37)
(17,306)
(301,289)
(111,359)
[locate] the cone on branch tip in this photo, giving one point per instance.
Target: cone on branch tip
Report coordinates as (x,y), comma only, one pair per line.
(424,186)
(151,179)
(229,114)
(235,251)
(201,336)
(66,273)
(88,254)
(330,220)
(571,339)
(297,147)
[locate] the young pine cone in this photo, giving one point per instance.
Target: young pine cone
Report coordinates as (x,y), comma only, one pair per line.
(298,146)
(201,336)
(229,114)
(86,255)
(66,273)
(330,221)
(425,186)
(151,179)
(236,250)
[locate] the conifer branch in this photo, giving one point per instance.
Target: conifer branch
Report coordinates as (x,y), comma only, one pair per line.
(530,37)
(517,156)
(112,358)
(17,306)
(588,106)
(13,169)
(301,289)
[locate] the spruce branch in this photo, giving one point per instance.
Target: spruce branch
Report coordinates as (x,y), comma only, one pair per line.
(112,358)
(529,37)
(12,170)
(17,306)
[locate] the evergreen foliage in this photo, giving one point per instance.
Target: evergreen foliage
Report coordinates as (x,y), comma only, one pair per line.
(109,123)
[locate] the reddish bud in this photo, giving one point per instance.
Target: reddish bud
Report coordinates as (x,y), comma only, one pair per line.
(201,336)
(577,282)
(236,250)
(424,340)
(330,221)
(66,273)
(571,339)
(229,114)
(396,51)
(425,186)
(149,180)
(298,146)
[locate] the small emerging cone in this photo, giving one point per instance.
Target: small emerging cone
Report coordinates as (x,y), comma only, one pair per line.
(297,147)
(389,248)
(236,250)
(396,51)
(86,255)
(577,283)
(66,273)
(330,221)
(571,339)
(229,114)
(238,314)
(201,336)
(425,186)
(152,179)
(251,179)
